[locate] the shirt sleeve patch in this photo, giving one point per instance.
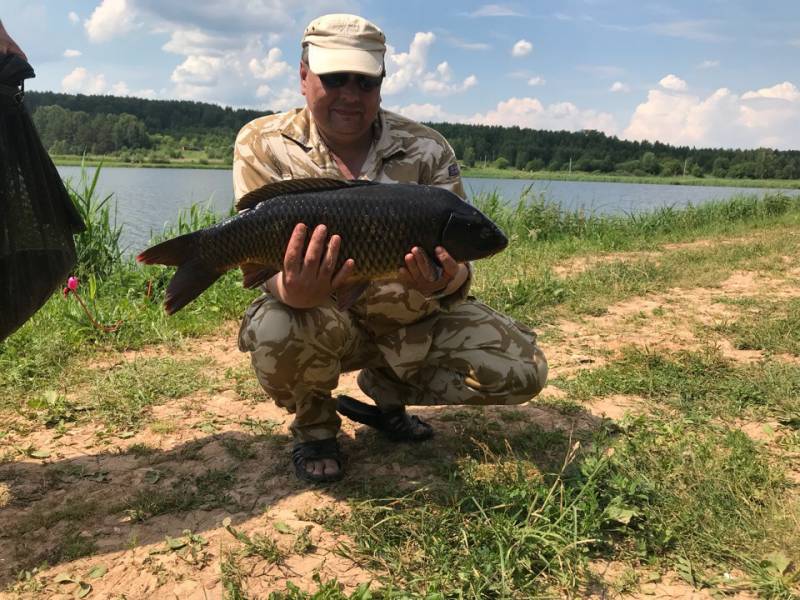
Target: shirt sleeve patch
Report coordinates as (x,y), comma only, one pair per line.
(452,170)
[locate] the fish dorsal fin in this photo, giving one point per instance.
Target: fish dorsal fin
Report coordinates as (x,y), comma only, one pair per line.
(294,186)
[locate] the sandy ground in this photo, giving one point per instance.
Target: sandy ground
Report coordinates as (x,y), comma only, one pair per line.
(89,472)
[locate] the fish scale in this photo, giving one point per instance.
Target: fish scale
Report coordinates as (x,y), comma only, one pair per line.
(377,229)
(378,225)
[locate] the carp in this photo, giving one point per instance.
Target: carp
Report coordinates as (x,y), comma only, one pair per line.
(378,223)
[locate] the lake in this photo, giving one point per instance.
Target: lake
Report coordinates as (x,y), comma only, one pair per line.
(147,199)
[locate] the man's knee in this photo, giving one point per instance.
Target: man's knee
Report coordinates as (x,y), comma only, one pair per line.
(515,381)
(269,323)
(293,349)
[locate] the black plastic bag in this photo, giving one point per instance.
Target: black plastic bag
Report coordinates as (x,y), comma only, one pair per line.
(37,217)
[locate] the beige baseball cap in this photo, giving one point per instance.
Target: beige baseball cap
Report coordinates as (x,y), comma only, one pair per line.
(343,42)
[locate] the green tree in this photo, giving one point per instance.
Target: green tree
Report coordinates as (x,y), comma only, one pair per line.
(649,163)
(671,166)
(536,164)
(469,156)
(720,168)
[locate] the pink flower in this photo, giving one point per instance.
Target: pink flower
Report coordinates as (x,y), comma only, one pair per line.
(72,283)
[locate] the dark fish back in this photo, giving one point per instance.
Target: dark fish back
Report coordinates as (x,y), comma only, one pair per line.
(378,225)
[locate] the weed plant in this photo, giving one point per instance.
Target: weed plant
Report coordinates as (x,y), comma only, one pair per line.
(98,249)
(665,493)
(536,218)
(701,384)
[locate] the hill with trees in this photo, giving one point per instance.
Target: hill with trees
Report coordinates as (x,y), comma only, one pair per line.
(139,130)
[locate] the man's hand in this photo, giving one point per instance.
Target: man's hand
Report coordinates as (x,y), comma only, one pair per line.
(421,274)
(7,45)
(308,280)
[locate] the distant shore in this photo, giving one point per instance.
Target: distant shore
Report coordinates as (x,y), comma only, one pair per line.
(476,172)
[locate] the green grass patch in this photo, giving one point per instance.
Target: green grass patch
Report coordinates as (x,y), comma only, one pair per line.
(701,384)
(123,395)
(773,327)
(532,294)
(503,527)
(207,490)
(495,173)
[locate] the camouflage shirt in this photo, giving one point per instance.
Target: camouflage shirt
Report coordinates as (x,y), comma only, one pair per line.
(289,146)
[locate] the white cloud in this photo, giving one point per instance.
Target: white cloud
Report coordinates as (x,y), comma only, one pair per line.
(699,30)
(406,67)
(68,53)
(782,91)
(767,117)
(80,81)
(495,10)
(465,45)
(196,41)
(442,87)
(111,19)
(427,112)
(536,81)
(199,71)
(618,86)
(530,112)
(521,48)
(672,82)
(521,112)
(269,67)
(409,69)
(73,17)
(120,89)
(233,17)
(280,100)
(708,64)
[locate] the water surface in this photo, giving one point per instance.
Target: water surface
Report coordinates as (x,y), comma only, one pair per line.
(147,199)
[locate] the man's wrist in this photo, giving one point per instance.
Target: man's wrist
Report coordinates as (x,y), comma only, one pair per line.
(453,285)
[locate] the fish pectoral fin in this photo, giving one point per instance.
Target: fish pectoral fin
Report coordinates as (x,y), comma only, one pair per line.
(255,274)
(347,296)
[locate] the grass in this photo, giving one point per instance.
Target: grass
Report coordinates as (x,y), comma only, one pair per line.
(772,326)
(506,508)
(207,490)
(503,527)
(495,173)
(700,384)
(92,160)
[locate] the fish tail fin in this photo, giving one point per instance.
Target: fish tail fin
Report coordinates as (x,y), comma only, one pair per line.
(172,252)
(193,275)
(191,279)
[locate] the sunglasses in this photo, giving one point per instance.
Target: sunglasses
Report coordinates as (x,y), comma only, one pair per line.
(336,80)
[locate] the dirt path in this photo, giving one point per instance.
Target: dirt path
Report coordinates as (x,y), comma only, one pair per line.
(224,456)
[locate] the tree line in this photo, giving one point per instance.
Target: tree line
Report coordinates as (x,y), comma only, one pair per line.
(163,129)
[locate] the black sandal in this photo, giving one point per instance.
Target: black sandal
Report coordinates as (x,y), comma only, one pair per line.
(397,425)
(316,450)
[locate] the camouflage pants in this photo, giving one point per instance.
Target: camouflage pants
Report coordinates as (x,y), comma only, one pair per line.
(469,354)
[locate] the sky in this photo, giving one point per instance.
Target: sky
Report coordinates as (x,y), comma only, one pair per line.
(703,73)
